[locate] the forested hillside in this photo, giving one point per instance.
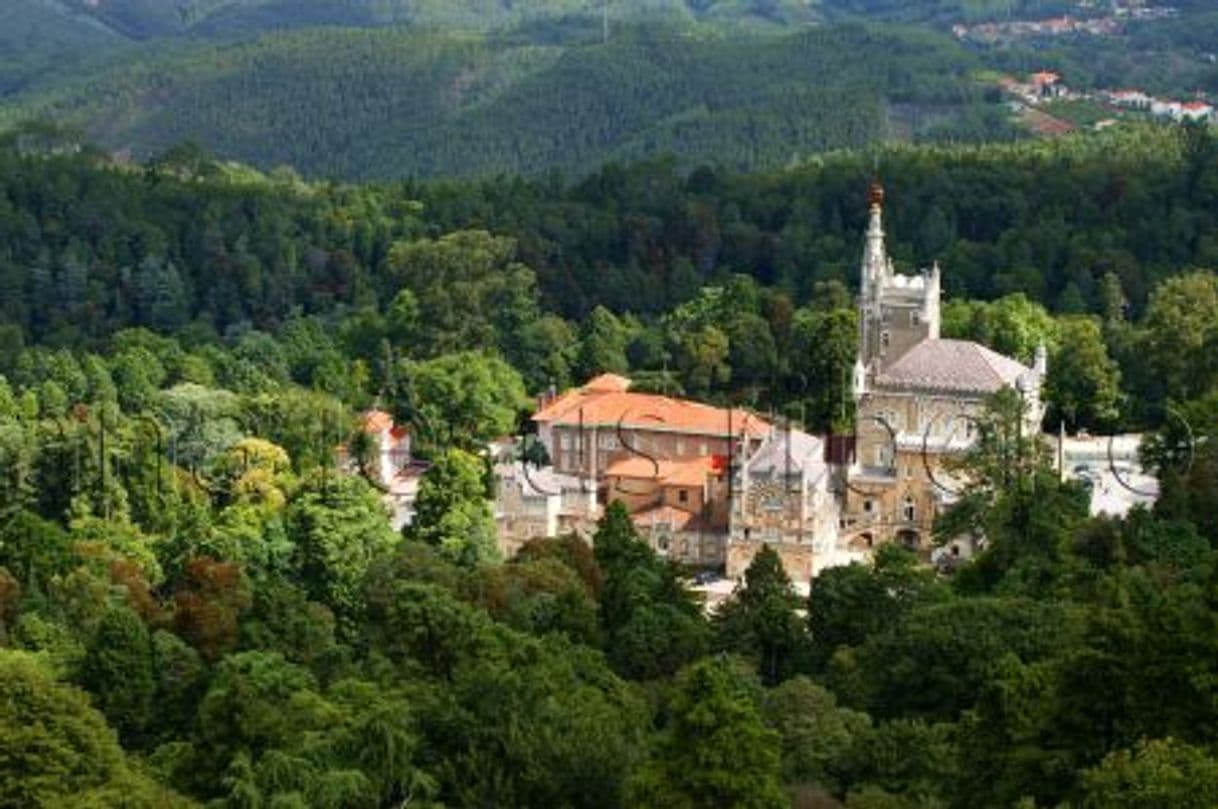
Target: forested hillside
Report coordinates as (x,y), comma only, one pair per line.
(46,42)
(200,605)
(372,90)
(390,103)
(149,18)
(38,37)
(1049,220)
(625,264)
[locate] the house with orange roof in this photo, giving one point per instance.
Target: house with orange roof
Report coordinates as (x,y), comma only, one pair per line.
(1133,99)
(679,506)
(391,442)
(665,458)
(392,465)
(586,429)
(1048,85)
(1196,111)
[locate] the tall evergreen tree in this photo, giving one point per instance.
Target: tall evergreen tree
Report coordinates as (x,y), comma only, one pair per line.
(716,752)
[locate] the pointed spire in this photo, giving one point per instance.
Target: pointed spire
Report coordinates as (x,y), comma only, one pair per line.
(875,258)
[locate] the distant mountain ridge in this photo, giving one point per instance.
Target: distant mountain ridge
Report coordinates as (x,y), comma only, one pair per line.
(45,41)
(356,89)
(351,103)
(143,19)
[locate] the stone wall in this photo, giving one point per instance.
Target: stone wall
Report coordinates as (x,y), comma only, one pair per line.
(796,559)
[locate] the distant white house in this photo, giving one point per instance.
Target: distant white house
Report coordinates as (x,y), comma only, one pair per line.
(1130,99)
(1181,111)
(393,467)
(1196,111)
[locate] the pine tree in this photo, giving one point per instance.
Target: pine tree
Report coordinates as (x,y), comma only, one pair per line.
(717,752)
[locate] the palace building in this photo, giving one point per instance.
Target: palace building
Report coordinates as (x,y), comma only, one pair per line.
(711,486)
(915,395)
(666,459)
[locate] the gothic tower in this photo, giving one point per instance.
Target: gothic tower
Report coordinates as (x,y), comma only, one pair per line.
(896,312)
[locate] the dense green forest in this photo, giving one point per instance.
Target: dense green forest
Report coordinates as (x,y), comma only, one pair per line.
(47,38)
(37,39)
(147,19)
(953,11)
(390,103)
(389,89)
(198,606)
(1085,227)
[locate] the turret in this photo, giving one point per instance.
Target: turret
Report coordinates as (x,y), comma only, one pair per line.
(930,301)
(876,266)
(875,269)
(896,312)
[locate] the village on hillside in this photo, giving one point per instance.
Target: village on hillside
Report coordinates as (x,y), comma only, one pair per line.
(1044,102)
(1095,18)
(708,487)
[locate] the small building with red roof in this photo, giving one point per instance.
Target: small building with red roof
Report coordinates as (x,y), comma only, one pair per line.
(391,442)
(680,507)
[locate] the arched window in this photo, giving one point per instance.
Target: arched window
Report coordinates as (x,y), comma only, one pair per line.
(909,510)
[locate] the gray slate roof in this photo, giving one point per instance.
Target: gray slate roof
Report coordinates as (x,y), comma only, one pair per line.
(804,450)
(952,365)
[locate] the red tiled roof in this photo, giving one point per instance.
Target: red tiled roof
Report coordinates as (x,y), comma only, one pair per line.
(376,421)
(671,473)
(607,408)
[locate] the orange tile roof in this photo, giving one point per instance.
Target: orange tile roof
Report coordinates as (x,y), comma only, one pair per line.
(608,408)
(670,473)
(678,518)
(377,421)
